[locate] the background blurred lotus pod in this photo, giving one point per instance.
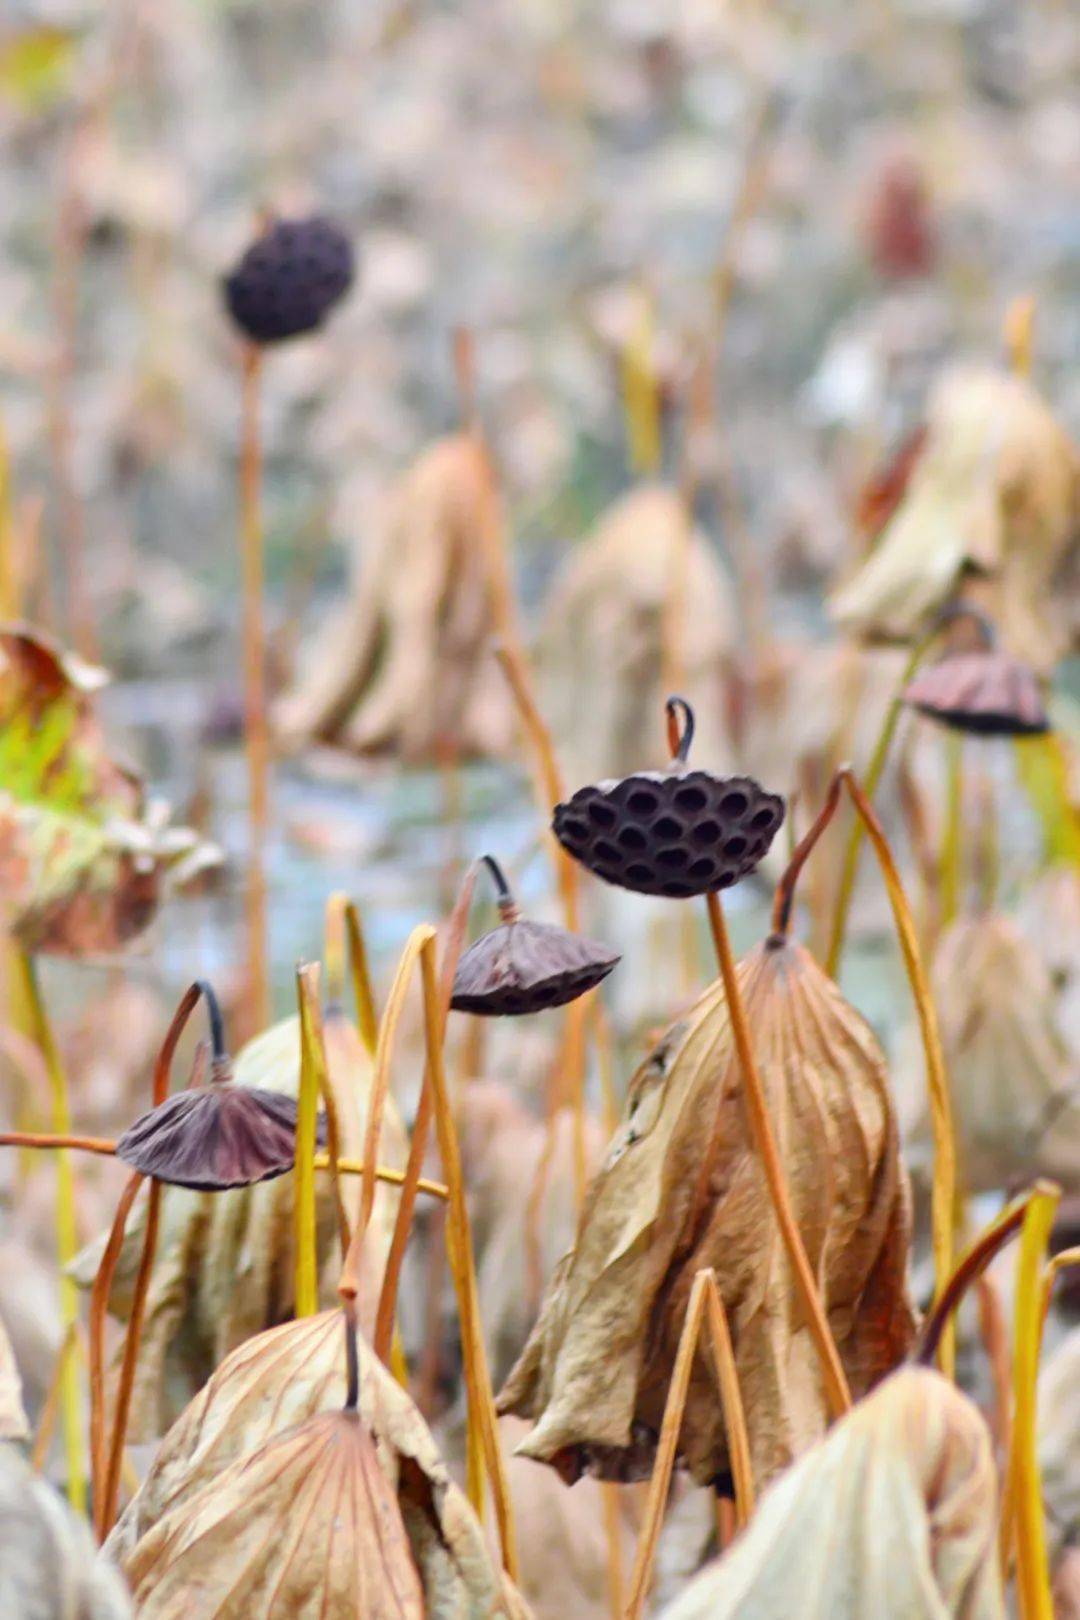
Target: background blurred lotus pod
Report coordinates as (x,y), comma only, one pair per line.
(603,634)
(985,692)
(596,1369)
(225,1266)
(1009,1071)
(85,858)
(995,489)
(49,1566)
(283,1378)
(13,1424)
(405,668)
(893,1513)
(305,1527)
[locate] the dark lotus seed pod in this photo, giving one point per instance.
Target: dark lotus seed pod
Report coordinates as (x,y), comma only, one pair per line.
(523,967)
(678,832)
(215,1136)
(985,692)
(289,279)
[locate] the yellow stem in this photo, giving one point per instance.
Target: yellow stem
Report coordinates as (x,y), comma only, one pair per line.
(1024,1487)
(953,836)
(837,1393)
(67,1231)
(943,1192)
(738,1440)
(256,732)
(367,1017)
(311,1059)
(641,397)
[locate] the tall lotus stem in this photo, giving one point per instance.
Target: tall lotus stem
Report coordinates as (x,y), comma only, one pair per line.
(953,836)
(256,733)
(67,1237)
(836,1387)
(344,936)
(306,1286)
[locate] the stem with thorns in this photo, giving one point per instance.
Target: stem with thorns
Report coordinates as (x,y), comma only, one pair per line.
(256,733)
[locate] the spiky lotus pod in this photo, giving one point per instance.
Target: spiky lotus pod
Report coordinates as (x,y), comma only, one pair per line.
(289,279)
(264,1395)
(225,1265)
(894,1513)
(682,1188)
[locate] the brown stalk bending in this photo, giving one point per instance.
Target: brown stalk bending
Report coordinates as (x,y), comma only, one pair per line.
(836,1386)
(99,1307)
(704,1302)
(969,1268)
(256,731)
(387,1306)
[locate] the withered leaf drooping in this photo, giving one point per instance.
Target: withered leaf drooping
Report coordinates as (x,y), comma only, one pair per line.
(596,1369)
(985,692)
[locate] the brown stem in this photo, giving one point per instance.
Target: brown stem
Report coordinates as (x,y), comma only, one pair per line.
(784,898)
(99,1309)
(132,1341)
(387,1306)
(43,1139)
(970,1266)
(256,733)
(836,1387)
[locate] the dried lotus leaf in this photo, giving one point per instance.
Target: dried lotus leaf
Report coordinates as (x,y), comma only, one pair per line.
(893,1513)
(279,1380)
(984,692)
(214,1137)
(49,1566)
(995,490)
(603,634)
(406,669)
(524,967)
(597,1366)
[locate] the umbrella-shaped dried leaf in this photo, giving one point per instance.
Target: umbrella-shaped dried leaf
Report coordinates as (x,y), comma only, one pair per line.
(995,491)
(596,1370)
(985,692)
(604,630)
(893,1513)
(281,1379)
(225,1268)
(406,669)
(1010,1074)
(305,1527)
(13,1424)
(49,1567)
(84,858)
(523,967)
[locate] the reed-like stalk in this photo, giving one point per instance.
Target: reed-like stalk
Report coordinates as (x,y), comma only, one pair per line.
(28,989)
(306,1286)
(256,730)
(952,841)
(837,1393)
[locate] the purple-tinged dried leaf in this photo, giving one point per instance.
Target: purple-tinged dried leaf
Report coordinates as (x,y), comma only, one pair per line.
(523,967)
(984,691)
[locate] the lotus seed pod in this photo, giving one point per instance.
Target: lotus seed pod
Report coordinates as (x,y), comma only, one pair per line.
(289,279)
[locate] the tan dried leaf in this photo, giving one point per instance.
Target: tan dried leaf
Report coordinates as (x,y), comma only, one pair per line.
(604,628)
(305,1527)
(406,668)
(225,1266)
(596,1370)
(49,1567)
(1059,1442)
(13,1424)
(893,1513)
(1009,1069)
(281,1379)
(996,490)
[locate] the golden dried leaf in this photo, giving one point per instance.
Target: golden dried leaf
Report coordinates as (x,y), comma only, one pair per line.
(225,1267)
(280,1380)
(893,1513)
(84,858)
(604,634)
(305,1527)
(596,1370)
(995,489)
(406,669)
(1009,1070)
(49,1567)
(13,1424)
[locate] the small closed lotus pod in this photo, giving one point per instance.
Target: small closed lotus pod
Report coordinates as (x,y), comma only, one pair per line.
(895,1512)
(682,1187)
(982,691)
(523,967)
(214,1135)
(677,832)
(270,1401)
(289,279)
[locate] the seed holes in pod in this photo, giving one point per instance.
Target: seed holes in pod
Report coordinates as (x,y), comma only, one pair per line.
(734,805)
(702,870)
(639,873)
(691,799)
(706,833)
(642,803)
(763,820)
(667,827)
(605,851)
(601,814)
(735,848)
(632,839)
(677,891)
(674,858)
(573,828)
